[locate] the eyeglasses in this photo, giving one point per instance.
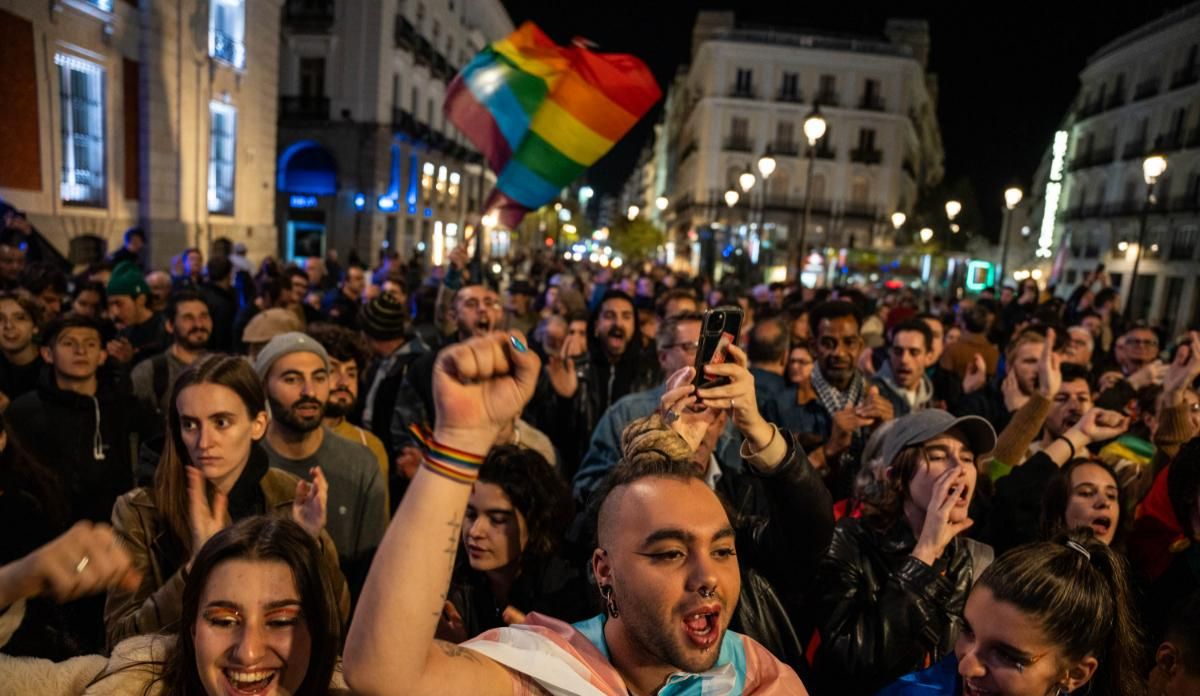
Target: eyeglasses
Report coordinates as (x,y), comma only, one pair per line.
(685,346)
(1142,342)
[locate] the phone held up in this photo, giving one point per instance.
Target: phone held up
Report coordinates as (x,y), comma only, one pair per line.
(719,329)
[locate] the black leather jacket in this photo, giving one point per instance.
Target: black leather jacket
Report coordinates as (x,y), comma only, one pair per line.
(784,521)
(881,612)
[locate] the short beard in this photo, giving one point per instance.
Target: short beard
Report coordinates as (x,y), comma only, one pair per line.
(656,641)
(336,409)
(187,343)
(290,420)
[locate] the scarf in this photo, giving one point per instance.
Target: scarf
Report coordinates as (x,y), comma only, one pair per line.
(833,399)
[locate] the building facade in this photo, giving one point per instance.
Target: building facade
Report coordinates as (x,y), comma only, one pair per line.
(159,113)
(1138,95)
(367,161)
(746,93)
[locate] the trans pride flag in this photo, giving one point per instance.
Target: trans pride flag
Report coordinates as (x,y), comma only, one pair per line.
(542,113)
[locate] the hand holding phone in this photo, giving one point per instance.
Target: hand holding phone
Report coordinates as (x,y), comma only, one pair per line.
(719,329)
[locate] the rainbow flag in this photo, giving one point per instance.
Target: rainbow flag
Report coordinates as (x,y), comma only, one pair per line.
(541,113)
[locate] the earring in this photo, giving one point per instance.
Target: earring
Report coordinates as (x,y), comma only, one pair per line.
(610,602)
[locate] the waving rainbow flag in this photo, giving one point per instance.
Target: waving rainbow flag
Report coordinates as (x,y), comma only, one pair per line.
(542,113)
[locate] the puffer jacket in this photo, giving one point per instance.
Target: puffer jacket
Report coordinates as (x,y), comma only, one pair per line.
(160,558)
(881,612)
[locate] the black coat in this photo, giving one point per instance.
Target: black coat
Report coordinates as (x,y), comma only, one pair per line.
(223,307)
(881,612)
(57,428)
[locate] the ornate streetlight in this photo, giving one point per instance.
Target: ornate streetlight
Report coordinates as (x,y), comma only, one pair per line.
(814,129)
(1152,168)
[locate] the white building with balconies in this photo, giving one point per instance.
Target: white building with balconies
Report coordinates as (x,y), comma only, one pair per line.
(1139,95)
(746,92)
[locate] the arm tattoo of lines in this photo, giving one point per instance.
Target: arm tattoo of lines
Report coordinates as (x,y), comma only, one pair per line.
(453,651)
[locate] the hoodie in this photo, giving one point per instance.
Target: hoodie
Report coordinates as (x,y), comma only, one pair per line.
(84,440)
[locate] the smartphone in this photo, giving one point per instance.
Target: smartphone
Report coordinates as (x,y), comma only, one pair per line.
(719,329)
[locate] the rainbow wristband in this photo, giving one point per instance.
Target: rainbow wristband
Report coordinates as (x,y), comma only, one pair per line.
(456,465)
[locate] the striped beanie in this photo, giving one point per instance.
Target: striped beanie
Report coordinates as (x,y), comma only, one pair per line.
(383,318)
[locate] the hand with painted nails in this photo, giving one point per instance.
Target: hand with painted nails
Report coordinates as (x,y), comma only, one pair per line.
(480,386)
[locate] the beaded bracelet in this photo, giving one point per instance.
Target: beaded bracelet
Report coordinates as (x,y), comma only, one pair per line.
(454,464)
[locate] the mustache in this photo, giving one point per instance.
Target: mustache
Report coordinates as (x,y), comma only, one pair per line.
(306,401)
(616,332)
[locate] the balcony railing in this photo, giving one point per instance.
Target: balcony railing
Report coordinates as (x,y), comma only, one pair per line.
(303,108)
(742,92)
(826,152)
(738,144)
(1193,138)
(1102,155)
(785,148)
(866,156)
(1116,99)
(308,16)
(826,98)
(871,102)
(1146,89)
(1170,141)
(1089,109)
(860,210)
(1185,203)
(1128,206)
(1187,75)
(789,96)
(404,35)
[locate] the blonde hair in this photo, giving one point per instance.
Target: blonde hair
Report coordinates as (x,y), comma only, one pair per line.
(650,440)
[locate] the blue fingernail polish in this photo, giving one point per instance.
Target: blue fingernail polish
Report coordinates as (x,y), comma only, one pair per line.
(517,344)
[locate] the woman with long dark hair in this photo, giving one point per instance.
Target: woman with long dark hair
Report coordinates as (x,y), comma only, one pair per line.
(507,564)
(211,471)
(1053,617)
(1085,493)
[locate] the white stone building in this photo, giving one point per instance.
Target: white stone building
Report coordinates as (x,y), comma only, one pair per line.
(159,113)
(746,92)
(367,160)
(1138,94)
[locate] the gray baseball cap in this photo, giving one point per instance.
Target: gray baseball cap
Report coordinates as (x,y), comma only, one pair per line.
(919,426)
(283,344)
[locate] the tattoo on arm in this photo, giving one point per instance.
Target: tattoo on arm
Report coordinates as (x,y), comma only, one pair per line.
(453,651)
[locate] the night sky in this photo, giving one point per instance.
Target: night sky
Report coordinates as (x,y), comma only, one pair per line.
(1007,71)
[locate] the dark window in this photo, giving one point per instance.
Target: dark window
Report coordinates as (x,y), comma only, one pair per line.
(312,77)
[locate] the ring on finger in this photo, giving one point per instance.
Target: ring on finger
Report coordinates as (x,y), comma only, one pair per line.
(670,417)
(82,564)
(731,404)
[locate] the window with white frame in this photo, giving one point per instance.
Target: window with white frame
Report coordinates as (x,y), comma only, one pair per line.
(221,157)
(227,31)
(81,88)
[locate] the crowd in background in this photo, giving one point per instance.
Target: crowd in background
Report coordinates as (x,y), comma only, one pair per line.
(994,494)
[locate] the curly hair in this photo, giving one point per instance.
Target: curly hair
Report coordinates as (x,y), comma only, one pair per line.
(536,491)
(341,343)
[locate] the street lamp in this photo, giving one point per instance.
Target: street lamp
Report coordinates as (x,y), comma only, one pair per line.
(746,180)
(953,208)
(926,234)
(1012,196)
(898,219)
(766,165)
(1152,168)
(661,203)
(632,213)
(731,198)
(814,129)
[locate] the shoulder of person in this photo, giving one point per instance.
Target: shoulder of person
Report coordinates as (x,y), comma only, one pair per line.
(135,665)
(278,487)
(349,452)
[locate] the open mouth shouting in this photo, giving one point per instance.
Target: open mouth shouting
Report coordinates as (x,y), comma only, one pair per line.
(703,626)
(249,682)
(1102,526)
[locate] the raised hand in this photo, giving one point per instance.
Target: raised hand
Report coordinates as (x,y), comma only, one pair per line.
(739,397)
(1100,424)
(866,362)
(677,408)
(480,386)
(86,559)
(120,350)
(875,407)
(1014,399)
(458,257)
(311,501)
(976,375)
(1184,369)
(1049,368)
(845,423)
(1150,373)
(561,367)
(206,519)
(939,530)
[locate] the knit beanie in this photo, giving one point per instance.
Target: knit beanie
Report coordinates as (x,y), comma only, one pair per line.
(127,279)
(284,344)
(383,318)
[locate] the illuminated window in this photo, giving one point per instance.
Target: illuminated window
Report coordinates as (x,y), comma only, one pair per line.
(227,32)
(221,157)
(81,86)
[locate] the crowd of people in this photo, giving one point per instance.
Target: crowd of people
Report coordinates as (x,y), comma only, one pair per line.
(323,477)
